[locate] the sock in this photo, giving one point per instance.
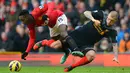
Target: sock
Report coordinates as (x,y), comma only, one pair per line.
(47,42)
(44,42)
(83,61)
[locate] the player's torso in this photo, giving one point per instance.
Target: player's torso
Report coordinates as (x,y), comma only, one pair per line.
(53,17)
(87,34)
(55,31)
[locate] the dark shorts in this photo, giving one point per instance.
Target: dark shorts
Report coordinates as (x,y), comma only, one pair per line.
(86,49)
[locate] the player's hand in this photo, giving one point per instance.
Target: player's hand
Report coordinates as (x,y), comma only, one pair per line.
(24,55)
(115,60)
(97,22)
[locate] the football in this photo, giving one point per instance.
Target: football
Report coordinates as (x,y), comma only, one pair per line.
(15,66)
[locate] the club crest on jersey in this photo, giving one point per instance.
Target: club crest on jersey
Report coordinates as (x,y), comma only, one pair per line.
(41,7)
(40,18)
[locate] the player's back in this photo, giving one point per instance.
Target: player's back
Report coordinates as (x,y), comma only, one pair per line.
(86,35)
(37,15)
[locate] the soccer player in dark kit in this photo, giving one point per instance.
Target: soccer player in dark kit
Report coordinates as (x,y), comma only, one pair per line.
(98,27)
(57,23)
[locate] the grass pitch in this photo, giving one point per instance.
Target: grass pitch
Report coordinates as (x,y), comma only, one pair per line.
(58,69)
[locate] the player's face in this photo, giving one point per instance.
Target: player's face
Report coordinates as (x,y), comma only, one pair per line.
(23,19)
(46,21)
(110,20)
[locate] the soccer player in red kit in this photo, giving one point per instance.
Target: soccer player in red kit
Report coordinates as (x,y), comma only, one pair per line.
(57,23)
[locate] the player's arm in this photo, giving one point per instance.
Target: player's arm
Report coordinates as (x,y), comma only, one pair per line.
(88,14)
(112,36)
(95,16)
(31,41)
(115,50)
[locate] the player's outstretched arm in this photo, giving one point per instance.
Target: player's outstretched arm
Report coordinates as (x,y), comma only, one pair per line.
(30,44)
(115,50)
(88,14)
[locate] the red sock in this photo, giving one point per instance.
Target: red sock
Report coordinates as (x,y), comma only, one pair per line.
(50,42)
(83,61)
(44,42)
(47,42)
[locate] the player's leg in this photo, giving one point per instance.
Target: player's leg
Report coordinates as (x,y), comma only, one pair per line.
(89,57)
(62,21)
(43,43)
(56,45)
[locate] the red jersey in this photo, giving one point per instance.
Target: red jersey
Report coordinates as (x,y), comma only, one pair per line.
(37,14)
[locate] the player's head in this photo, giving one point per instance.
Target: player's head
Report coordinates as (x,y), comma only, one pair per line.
(112,18)
(45,19)
(24,16)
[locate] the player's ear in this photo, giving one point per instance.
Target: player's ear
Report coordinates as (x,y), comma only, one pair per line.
(44,17)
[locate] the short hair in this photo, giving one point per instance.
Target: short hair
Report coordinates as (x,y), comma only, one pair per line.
(44,17)
(23,12)
(114,15)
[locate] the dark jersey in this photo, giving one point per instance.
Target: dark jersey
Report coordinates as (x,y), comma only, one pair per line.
(89,34)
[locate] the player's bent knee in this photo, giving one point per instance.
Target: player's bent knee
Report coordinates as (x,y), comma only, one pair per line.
(56,45)
(90,55)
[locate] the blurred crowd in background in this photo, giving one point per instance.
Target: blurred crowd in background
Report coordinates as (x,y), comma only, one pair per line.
(14,35)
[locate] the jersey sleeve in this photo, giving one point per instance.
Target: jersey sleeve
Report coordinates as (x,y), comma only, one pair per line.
(97,14)
(31,37)
(40,10)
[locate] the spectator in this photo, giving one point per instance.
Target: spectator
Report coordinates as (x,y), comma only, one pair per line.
(125,43)
(128,18)
(72,14)
(35,3)
(92,5)
(104,45)
(42,33)
(5,43)
(9,30)
(59,5)
(120,35)
(117,6)
(121,13)
(126,6)
(20,39)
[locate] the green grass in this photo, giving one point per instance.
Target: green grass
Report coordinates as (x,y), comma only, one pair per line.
(53,69)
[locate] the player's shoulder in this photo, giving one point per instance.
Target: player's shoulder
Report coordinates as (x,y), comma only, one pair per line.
(40,9)
(98,14)
(98,11)
(35,10)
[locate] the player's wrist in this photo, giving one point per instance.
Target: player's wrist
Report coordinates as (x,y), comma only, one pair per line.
(93,19)
(26,52)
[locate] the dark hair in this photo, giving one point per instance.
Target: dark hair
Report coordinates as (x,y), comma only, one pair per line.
(23,12)
(44,17)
